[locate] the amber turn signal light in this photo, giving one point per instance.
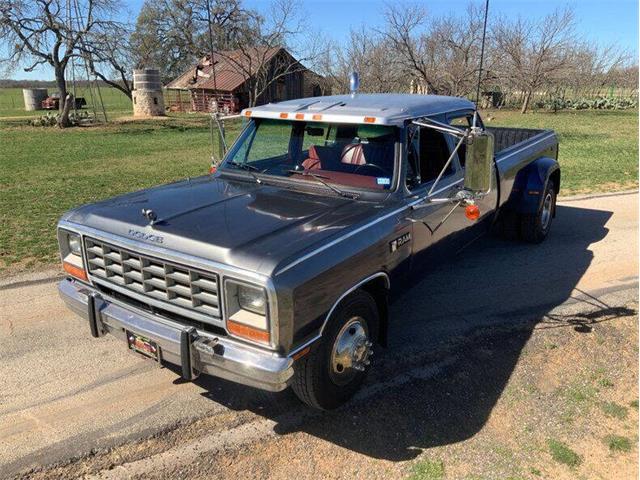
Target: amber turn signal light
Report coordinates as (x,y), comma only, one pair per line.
(245,331)
(212,169)
(74,271)
(472,212)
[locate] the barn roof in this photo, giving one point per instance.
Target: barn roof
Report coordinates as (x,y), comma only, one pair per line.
(232,69)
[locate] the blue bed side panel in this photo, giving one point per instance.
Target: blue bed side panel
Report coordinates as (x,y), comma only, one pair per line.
(530,183)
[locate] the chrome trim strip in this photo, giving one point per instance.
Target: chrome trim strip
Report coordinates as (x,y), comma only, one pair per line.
(360,229)
(510,154)
(336,303)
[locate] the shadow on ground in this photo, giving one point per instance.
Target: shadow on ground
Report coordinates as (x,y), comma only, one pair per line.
(496,291)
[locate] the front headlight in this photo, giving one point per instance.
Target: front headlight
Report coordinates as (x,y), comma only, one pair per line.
(247,312)
(252,299)
(71,254)
(74,245)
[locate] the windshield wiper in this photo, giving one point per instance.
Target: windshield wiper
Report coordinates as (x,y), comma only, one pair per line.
(320,178)
(248,168)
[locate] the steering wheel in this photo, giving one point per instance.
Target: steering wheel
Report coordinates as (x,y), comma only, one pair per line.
(370,165)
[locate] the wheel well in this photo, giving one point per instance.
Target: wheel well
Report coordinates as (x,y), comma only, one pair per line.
(378,288)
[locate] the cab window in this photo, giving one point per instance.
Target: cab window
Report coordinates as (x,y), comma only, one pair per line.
(427,153)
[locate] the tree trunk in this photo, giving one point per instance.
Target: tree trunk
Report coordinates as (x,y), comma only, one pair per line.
(69,100)
(525,103)
(63,118)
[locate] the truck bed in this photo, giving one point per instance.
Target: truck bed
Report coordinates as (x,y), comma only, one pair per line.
(506,137)
(515,148)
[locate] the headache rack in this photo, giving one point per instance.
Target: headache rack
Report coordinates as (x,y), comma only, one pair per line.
(174,287)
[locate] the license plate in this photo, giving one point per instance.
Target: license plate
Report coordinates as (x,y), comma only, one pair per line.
(143,345)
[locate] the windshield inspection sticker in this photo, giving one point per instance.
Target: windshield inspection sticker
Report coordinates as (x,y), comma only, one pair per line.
(398,242)
(383,180)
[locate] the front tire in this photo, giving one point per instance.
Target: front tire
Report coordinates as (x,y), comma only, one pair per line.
(333,371)
(535,227)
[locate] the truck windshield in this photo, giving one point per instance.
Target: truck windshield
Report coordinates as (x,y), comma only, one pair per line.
(351,155)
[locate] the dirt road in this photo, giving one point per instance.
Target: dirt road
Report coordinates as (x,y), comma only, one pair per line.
(66,396)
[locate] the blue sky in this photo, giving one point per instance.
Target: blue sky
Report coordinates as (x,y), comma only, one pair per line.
(598,21)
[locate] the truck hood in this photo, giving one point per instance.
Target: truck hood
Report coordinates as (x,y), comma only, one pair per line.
(252,226)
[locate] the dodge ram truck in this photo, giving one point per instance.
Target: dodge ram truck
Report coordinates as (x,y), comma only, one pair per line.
(277,269)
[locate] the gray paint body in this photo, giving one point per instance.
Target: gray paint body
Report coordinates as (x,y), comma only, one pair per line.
(309,244)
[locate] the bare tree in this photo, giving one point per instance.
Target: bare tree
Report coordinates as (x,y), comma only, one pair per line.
(261,57)
(536,53)
(457,43)
(107,52)
(46,32)
(405,31)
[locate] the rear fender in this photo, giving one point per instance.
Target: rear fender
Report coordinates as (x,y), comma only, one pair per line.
(530,183)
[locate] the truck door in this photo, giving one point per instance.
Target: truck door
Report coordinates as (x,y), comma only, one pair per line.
(435,225)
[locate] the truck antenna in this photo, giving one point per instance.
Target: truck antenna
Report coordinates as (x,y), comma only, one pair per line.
(484,34)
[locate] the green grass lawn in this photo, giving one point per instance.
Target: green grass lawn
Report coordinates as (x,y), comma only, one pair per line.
(598,149)
(45,171)
(115,102)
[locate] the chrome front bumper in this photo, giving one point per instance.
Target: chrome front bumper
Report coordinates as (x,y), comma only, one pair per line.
(195,351)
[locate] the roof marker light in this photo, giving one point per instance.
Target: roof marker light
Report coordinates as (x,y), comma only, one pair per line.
(317,116)
(247,113)
(299,116)
(369,119)
(284,115)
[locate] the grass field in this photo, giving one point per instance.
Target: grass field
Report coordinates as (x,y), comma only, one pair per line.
(45,171)
(115,103)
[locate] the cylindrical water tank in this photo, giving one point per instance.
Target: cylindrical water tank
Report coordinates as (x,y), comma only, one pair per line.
(33,98)
(147,79)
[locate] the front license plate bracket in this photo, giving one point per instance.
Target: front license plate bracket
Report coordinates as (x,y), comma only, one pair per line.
(143,345)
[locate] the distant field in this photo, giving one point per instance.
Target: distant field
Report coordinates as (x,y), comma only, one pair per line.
(115,102)
(45,171)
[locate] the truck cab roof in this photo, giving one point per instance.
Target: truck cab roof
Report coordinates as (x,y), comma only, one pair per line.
(375,108)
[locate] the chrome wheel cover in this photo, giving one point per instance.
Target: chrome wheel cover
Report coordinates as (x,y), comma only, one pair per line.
(351,351)
(547,207)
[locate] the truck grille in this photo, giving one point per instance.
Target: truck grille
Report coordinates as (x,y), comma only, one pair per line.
(177,285)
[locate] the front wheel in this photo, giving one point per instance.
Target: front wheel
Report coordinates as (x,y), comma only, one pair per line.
(336,367)
(535,227)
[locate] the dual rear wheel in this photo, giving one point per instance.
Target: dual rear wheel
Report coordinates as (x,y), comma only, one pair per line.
(531,227)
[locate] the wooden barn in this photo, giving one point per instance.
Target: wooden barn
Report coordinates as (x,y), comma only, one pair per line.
(234,78)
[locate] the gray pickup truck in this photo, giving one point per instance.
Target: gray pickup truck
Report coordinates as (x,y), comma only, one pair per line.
(277,269)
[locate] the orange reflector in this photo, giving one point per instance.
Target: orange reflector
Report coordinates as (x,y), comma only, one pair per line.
(369,119)
(212,169)
(299,116)
(247,332)
(74,271)
(534,192)
(284,115)
(301,353)
(247,113)
(317,116)
(472,212)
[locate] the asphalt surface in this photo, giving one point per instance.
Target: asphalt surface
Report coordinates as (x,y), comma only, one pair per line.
(65,395)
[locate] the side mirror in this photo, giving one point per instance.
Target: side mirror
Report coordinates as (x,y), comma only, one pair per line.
(479,161)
